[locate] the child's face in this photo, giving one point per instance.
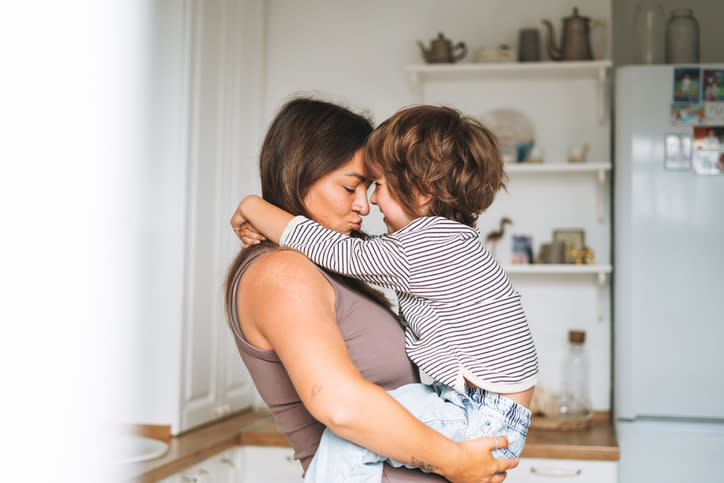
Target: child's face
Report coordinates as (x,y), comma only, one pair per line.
(395,217)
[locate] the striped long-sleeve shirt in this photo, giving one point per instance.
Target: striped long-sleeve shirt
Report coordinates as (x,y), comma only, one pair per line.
(463,319)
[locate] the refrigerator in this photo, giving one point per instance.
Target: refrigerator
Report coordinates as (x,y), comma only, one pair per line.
(668,281)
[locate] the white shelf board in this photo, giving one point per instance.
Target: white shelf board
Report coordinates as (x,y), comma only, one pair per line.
(591,69)
(557,167)
(558,269)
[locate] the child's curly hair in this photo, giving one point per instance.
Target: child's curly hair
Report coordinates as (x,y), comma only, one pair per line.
(438,151)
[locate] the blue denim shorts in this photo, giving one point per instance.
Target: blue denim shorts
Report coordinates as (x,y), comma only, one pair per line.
(475,414)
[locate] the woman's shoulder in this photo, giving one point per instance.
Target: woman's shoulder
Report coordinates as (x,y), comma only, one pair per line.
(276,285)
(280,267)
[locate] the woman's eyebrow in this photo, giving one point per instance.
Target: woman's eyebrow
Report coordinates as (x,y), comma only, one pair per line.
(357,175)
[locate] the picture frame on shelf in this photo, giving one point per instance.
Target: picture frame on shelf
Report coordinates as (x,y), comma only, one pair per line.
(574,238)
(522,250)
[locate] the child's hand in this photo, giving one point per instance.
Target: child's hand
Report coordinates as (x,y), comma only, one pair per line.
(245,230)
(249,235)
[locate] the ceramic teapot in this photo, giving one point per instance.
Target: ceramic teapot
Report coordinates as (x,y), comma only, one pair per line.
(441,50)
(575,39)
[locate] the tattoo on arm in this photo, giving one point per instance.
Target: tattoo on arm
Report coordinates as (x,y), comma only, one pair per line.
(422,465)
(316,390)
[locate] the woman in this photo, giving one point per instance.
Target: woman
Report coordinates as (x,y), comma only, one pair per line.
(322,349)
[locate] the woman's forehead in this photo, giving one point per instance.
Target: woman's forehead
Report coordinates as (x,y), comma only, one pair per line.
(355,167)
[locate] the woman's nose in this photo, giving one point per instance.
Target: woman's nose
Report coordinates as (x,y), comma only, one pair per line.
(361,205)
(373,197)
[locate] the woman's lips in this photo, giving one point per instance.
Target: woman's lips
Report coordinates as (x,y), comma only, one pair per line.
(357,225)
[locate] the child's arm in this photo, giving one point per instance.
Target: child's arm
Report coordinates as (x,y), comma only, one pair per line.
(269,220)
(379,260)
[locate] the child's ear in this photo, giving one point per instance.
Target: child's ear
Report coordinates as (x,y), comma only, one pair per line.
(423,201)
(424,198)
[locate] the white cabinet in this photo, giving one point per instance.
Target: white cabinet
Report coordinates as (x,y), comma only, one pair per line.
(544,470)
(186,368)
(244,464)
(265,464)
(221,468)
(567,104)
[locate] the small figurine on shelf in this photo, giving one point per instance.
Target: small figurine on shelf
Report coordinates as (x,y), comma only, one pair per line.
(584,256)
(494,236)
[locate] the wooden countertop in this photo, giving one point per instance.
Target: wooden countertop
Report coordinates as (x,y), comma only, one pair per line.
(597,443)
(257,428)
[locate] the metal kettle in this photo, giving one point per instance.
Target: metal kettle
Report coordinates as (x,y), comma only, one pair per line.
(442,50)
(575,40)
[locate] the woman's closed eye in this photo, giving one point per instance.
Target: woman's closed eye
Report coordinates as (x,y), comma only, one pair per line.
(348,189)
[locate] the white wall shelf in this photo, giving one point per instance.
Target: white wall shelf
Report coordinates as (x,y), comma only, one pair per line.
(600,271)
(561,269)
(542,168)
(600,169)
(592,69)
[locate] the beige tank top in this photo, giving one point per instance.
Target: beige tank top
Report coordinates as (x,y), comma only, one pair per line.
(376,345)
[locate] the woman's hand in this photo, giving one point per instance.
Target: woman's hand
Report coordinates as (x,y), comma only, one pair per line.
(245,230)
(477,465)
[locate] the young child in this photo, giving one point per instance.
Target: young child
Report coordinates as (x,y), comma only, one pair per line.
(434,171)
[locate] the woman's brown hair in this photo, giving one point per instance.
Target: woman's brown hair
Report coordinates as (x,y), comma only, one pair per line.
(438,151)
(307,139)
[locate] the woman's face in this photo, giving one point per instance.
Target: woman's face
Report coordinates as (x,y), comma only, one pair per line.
(338,200)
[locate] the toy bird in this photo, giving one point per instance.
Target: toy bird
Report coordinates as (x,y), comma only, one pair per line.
(494,236)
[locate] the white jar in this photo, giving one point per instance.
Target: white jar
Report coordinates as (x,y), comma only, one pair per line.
(682,37)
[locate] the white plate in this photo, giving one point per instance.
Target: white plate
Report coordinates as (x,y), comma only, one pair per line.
(129,448)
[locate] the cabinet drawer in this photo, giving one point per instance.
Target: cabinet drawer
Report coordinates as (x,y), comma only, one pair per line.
(269,464)
(544,470)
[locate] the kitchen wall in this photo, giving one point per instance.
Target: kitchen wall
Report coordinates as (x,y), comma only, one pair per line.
(707,12)
(355,52)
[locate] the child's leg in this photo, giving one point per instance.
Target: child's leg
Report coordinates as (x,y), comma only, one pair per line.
(341,460)
(337,459)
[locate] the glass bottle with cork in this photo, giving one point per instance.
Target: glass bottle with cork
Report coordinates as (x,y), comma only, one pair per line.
(574,402)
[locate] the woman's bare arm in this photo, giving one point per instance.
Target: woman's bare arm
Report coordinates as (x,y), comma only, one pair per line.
(292,312)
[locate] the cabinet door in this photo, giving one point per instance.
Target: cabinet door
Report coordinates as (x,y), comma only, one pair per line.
(542,470)
(213,383)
